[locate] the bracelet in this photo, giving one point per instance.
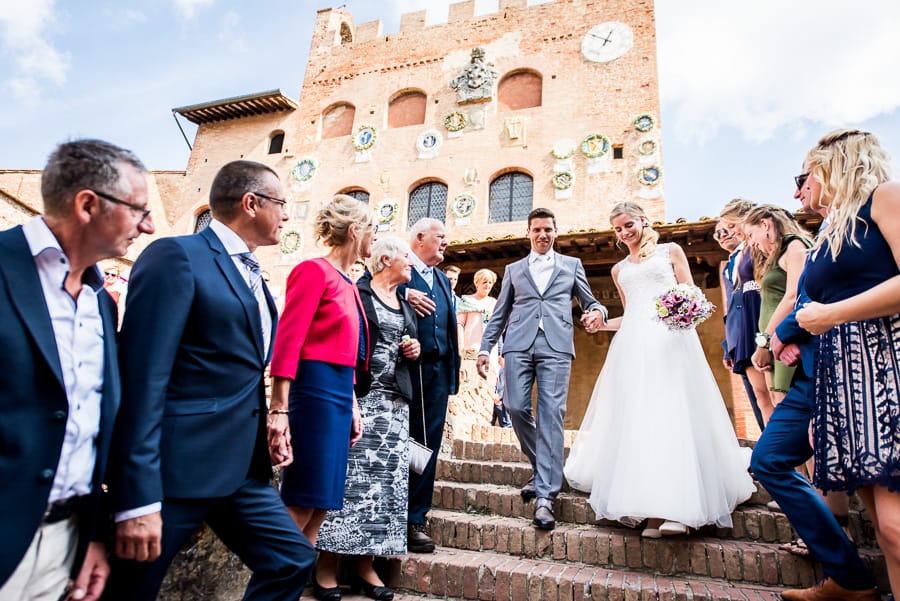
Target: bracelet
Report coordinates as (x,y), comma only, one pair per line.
(278,411)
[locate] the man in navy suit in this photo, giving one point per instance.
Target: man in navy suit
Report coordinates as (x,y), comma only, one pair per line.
(59,386)
(430,294)
(784,444)
(191,442)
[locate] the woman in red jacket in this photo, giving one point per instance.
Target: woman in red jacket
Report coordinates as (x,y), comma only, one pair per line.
(314,418)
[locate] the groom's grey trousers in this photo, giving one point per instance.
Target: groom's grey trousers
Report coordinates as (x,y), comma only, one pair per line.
(543,446)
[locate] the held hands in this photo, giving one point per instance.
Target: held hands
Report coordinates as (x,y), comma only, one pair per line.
(816,318)
(420,302)
(139,538)
(278,431)
(91,577)
(789,354)
(593,321)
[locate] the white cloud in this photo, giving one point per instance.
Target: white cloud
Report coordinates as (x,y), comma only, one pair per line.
(231,31)
(767,66)
(187,8)
(438,9)
(123,17)
(35,60)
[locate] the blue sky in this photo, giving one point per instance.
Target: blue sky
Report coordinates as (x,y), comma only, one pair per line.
(746,87)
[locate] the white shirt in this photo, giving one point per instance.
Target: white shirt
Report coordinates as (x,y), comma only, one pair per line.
(78,331)
(424,270)
(235,246)
(541,268)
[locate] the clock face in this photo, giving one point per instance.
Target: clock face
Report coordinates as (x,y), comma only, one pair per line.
(607,42)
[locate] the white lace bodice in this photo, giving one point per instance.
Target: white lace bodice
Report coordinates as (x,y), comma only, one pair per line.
(642,282)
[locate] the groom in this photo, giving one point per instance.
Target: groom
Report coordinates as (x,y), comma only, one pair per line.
(534,313)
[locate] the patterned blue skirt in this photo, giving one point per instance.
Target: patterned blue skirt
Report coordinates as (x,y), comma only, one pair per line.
(857,410)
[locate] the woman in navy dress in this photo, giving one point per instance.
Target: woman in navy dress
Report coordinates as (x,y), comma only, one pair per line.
(314,417)
(854,282)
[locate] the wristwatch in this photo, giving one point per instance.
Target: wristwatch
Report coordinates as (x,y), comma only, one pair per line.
(763,339)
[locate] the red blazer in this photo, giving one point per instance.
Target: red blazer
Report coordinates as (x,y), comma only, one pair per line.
(320,319)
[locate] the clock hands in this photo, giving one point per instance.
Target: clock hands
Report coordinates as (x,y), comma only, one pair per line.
(606,40)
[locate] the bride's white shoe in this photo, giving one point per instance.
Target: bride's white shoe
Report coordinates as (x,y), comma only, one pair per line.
(668,528)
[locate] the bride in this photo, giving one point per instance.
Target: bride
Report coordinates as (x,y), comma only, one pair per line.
(656,441)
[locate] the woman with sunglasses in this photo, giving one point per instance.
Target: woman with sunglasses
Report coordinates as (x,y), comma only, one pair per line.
(853,280)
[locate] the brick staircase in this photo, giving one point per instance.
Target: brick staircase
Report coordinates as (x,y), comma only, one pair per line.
(488,550)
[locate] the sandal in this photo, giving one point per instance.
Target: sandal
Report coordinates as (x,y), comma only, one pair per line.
(796,547)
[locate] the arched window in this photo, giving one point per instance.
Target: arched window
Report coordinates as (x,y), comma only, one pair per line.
(519,90)
(337,120)
(203,219)
(407,108)
(276,142)
(511,197)
(428,200)
(359,194)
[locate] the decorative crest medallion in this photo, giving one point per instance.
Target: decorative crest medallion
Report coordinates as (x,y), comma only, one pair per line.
(476,82)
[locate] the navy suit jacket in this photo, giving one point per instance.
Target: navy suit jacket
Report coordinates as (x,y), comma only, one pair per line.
(441,285)
(34,405)
(789,331)
(192,423)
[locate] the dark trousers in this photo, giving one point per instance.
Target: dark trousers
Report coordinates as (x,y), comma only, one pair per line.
(252,522)
(434,392)
(754,404)
(783,446)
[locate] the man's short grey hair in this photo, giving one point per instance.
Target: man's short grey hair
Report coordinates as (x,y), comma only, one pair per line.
(425,224)
(85,164)
(390,247)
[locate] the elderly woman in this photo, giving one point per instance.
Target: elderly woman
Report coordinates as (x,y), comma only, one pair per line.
(853,279)
(373,520)
(474,310)
(321,335)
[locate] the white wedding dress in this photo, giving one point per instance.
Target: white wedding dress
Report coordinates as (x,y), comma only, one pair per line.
(656,441)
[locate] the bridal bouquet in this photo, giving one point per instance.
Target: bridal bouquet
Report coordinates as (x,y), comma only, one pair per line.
(683,307)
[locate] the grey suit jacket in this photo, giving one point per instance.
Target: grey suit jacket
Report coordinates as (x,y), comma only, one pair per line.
(520,307)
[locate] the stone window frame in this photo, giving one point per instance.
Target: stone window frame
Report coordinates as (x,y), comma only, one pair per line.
(410,91)
(436,188)
(505,213)
(276,141)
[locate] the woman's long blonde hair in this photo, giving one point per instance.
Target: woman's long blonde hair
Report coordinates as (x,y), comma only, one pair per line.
(850,164)
(783,224)
(649,236)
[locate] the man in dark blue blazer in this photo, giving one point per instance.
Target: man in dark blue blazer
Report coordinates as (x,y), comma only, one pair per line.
(59,386)
(191,441)
(784,445)
(430,294)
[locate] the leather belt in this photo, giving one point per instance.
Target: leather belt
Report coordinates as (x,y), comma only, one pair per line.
(62,510)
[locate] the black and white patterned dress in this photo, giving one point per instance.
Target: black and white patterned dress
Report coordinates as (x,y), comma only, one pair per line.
(373,519)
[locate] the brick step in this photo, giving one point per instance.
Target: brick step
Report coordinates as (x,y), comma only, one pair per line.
(516,474)
(346,595)
(458,574)
(624,548)
(751,522)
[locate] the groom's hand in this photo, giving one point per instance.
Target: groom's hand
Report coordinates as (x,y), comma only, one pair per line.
(592,321)
(482,365)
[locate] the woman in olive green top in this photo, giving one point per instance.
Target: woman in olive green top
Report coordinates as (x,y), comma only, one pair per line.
(781,246)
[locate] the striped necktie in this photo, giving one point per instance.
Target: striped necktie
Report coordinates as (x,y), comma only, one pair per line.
(249,260)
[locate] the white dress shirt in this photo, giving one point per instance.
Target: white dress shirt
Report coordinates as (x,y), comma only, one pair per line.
(541,268)
(424,270)
(78,331)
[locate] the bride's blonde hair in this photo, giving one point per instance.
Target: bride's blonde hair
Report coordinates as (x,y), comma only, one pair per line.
(649,236)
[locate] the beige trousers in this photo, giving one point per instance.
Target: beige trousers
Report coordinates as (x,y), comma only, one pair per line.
(43,573)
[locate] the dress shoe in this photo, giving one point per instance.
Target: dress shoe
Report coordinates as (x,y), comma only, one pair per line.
(528,492)
(379,593)
(417,539)
(543,515)
(669,528)
(326,594)
(829,590)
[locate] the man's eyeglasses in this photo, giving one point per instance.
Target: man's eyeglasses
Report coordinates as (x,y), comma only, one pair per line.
(280,201)
(144,211)
(801,179)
